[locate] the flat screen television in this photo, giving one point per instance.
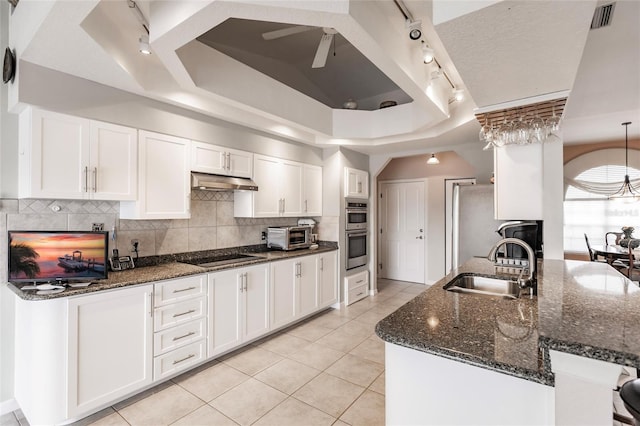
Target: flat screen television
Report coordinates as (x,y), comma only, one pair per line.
(57,256)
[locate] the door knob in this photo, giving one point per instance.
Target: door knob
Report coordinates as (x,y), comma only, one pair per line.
(419,238)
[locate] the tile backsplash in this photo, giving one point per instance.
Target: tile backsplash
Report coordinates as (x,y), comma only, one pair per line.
(211,226)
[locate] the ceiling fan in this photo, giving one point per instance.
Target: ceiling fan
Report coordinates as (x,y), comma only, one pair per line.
(322,52)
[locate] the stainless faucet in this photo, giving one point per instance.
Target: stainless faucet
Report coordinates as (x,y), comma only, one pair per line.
(493,257)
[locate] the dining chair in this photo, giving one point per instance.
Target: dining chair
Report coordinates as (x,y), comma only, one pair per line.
(592,254)
(612,238)
(633,269)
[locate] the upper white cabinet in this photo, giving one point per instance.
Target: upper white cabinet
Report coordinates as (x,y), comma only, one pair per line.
(312,190)
(68,157)
(518,182)
(356,183)
(217,160)
(163,179)
(285,189)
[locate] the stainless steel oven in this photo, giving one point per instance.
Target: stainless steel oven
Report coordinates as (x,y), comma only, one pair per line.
(357,215)
(357,248)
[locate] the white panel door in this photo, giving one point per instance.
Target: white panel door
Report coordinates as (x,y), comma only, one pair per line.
(207,158)
(266,174)
(256,301)
(59,157)
(327,279)
(225,300)
(312,190)
(307,286)
(282,300)
(114,162)
(110,346)
(403,237)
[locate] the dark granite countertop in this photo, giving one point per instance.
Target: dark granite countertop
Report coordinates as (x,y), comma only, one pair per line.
(583,308)
(167,267)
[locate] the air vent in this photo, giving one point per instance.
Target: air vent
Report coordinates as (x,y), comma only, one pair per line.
(602,16)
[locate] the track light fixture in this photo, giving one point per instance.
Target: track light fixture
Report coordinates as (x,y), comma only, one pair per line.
(458,95)
(143,44)
(428,55)
(415,29)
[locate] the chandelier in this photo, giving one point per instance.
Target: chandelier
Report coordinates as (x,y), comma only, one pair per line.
(626,191)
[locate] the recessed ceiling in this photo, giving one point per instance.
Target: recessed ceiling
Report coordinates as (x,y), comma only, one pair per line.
(347,74)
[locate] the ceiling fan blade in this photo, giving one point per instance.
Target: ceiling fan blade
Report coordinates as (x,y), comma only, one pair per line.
(323,51)
(271,35)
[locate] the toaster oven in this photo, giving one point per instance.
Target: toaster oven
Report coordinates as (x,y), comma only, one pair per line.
(289,237)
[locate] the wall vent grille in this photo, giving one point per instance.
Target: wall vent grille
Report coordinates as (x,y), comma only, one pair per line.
(602,16)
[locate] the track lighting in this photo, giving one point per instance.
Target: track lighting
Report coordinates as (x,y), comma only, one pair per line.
(428,55)
(433,159)
(458,95)
(144,44)
(415,29)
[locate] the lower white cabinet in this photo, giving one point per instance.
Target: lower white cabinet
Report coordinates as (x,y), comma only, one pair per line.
(327,265)
(294,289)
(356,287)
(75,355)
(238,307)
(179,325)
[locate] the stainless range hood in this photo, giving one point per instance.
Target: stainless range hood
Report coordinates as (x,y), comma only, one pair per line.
(207,182)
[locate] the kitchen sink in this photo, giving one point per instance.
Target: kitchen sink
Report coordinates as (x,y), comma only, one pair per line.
(483,285)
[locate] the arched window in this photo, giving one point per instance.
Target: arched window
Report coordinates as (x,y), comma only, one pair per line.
(589,178)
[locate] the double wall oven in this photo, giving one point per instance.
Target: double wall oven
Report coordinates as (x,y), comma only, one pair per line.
(357,236)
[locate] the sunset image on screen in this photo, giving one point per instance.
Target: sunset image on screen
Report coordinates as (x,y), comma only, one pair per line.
(56,255)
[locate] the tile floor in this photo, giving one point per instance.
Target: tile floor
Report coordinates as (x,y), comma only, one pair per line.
(327,370)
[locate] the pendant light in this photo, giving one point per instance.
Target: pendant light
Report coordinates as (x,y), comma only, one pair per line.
(433,159)
(626,192)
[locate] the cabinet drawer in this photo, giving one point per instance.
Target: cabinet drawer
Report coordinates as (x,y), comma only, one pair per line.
(178,360)
(355,294)
(357,280)
(173,291)
(178,313)
(176,337)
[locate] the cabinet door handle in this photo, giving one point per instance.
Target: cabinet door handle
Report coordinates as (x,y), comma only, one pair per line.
(359,281)
(306,206)
(95,179)
(359,187)
(86,179)
(178,361)
(191,333)
(228,161)
(151,304)
(241,282)
(190,311)
(246,280)
(322,263)
(184,289)
(360,294)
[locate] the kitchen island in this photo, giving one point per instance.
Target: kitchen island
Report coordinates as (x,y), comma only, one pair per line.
(549,358)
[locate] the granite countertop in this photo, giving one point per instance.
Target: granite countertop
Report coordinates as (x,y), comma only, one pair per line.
(172,266)
(583,308)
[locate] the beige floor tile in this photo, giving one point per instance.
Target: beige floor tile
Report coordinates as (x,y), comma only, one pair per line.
(340,341)
(378,384)
(205,416)
(371,317)
(287,375)
(356,370)
(142,395)
(415,289)
(317,356)
(253,360)
(105,417)
(371,349)
(161,408)
(358,328)
(309,331)
(368,410)
(329,321)
(340,423)
(248,401)
(293,412)
(284,344)
(212,382)
(329,394)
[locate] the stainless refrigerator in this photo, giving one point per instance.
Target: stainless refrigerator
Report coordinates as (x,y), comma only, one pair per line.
(474,228)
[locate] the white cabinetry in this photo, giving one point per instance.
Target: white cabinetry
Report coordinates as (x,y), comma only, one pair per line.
(68,157)
(312,190)
(75,355)
(518,182)
(207,158)
(327,264)
(163,179)
(285,189)
(356,287)
(180,309)
(294,290)
(238,307)
(356,183)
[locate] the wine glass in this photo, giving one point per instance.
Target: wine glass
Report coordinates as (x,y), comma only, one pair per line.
(538,129)
(553,126)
